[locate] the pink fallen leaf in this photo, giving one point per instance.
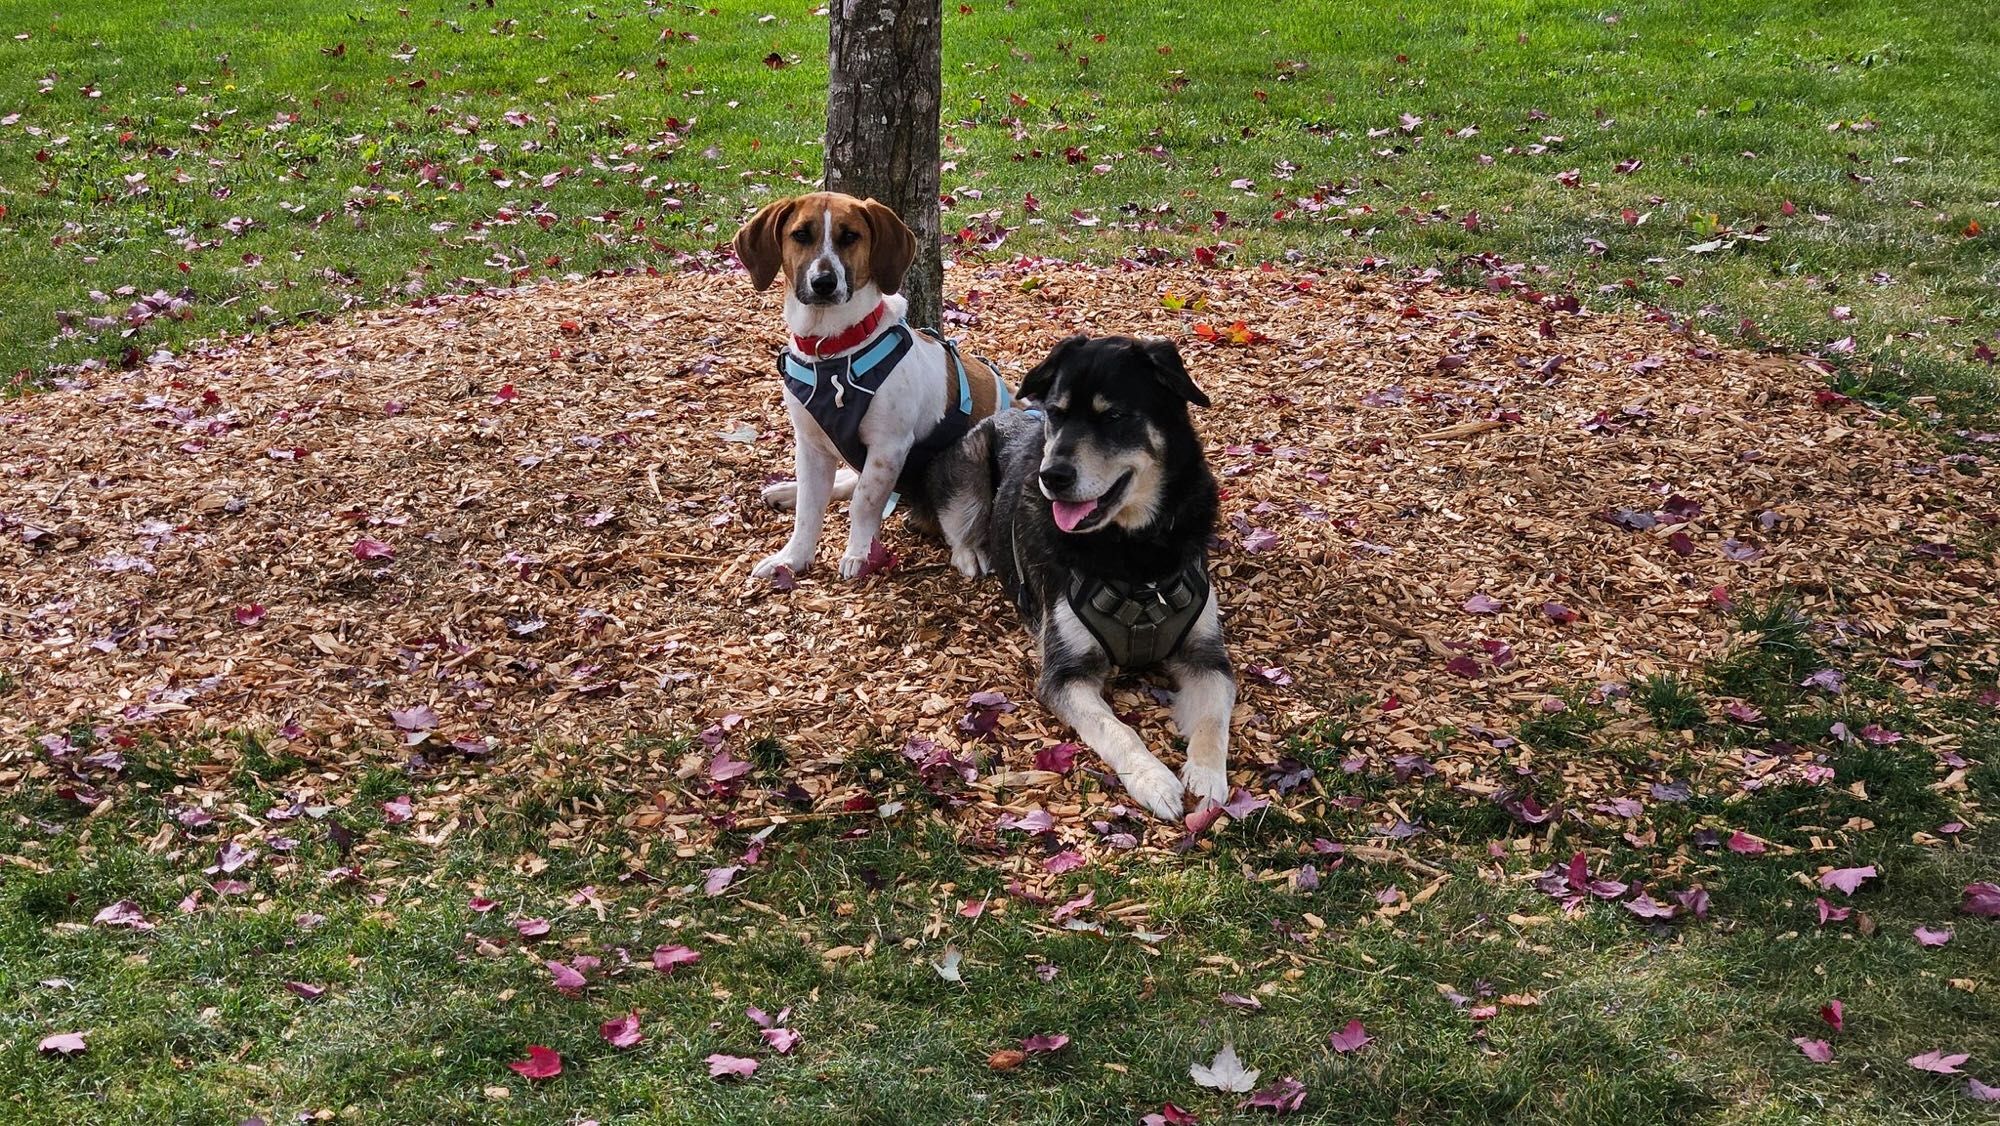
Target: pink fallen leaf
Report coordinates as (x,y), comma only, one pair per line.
(1980,1092)
(306,989)
(1483,603)
(721,1066)
(1044,1042)
(566,978)
(1847,879)
(1068,860)
(1740,841)
(723,767)
(1828,913)
(531,928)
(972,909)
(481,905)
(63,1044)
(1982,899)
(542,1063)
(1818,1051)
(622,1032)
(1939,1062)
(1170,1115)
(719,879)
(665,958)
(398,811)
(1240,1001)
(1926,936)
(782,1040)
(1353,1038)
(123,913)
(368,550)
(1834,1014)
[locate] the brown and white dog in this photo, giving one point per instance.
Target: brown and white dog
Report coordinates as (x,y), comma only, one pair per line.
(843,260)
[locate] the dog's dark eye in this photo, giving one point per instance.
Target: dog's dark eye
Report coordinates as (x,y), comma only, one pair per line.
(1111,414)
(803,236)
(848,238)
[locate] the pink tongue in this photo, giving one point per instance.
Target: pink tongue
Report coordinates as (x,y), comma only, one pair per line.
(1070,513)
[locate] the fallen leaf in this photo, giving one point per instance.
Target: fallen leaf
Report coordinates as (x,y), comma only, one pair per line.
(1818,1051)
(1982,899)
(1350,1039)
(63,1044)
(622,1032)
(1939,1062)
(1006,1059)
(542,1063)
(1929,937)
(1224,1073)
(1834,1014)
(721,1066)
(1044,1042)
(1847,879)
(1282,1097)
(665,958)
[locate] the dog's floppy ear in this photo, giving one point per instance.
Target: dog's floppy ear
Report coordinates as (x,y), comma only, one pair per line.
(892,245)
(1043,375)
(760,243)
(1170,371)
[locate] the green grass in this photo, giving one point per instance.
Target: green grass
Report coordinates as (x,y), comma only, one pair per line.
(1596,1016)
(381,152)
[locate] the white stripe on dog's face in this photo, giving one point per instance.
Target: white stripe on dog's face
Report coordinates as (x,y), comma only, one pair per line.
(826,264)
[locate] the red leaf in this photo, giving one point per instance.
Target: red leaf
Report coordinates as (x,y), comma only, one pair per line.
(368,550)
(542,1063)
(1834,1014)
(1740,841)
(1059,758)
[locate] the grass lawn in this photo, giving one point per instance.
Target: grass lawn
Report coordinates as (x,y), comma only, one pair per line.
(251,162)
(421,948)
(256,163)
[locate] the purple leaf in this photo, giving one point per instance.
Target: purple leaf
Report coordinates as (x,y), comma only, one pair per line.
(1829,913)
(1939,1062)
(1353,1038)
(398,811)
(306,989)
(1834,1014)
(1740,841)
(1818,1051)
(722,767)
(1044,1042)
(123,913)
(720,878)
(422,717)
(1982,899)
(1464,666)
(1928,937)
(1242,803)
(531,928)
(1239,1001)
(1068,860)
(1282,1097)
(782,1040)
(1847,879)
(665,958)
(1646,907)
(1483,603)
(1980,1092)
(1259,540)
(1830,681)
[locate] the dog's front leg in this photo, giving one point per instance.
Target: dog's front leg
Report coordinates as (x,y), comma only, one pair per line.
(871,496)
(1204,697)
(1079,701)
(815,492)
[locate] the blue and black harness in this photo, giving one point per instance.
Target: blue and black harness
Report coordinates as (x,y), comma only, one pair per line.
(839,391)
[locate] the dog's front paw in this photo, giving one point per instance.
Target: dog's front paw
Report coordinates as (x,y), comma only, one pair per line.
(852,564)
(971,562)
(782,495)
(796,562)
(1205,782)
(1155,787)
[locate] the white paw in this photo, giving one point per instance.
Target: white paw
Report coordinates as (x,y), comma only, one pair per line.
(1208,783)
(769,565)
(970,561)
(783,495)
(1155,787)
(852,564)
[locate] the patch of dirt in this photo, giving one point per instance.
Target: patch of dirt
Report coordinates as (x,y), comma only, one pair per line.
(567,476)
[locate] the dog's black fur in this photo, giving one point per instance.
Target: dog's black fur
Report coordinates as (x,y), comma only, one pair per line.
(1105,403)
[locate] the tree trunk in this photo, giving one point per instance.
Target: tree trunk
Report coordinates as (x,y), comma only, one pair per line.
(883,90)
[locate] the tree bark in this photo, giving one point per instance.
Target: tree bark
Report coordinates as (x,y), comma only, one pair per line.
(883,90)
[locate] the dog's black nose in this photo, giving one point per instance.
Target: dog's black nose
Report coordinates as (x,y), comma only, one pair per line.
(1057,477)
(824,284)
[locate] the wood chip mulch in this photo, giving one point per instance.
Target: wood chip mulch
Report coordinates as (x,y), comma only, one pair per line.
(525,521)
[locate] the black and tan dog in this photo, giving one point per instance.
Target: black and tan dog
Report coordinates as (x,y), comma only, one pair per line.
(1097,508)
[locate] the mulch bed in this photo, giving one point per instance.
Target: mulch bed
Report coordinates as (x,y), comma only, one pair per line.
(1440,507)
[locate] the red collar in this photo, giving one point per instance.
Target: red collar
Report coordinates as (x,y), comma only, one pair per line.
(843,340)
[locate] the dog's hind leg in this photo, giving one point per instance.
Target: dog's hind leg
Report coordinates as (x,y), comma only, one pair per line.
(962,482)
(784,495)
(1204,697)
(1072,687)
